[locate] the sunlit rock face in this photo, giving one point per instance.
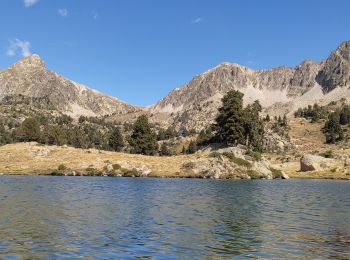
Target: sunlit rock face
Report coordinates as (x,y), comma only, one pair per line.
(336,69)
(195,104)
(30,77)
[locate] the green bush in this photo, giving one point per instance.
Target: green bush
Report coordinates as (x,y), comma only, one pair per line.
(91,171)
(215,155)
(116,166)
(238,161)
(57,172)
(327,154)
(62,167)
(254,174)
(255,155)
(130,173)
(276,174)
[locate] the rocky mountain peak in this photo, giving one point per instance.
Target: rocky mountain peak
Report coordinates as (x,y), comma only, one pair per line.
(30,61)
(29,77)
(336,69)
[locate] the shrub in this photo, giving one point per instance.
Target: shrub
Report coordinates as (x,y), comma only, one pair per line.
(116,166)
(254,174)
(327,154)
(130,173)
(238,161)
(255,155)
(276,174)
(62,167)
(91,171)
(215,155)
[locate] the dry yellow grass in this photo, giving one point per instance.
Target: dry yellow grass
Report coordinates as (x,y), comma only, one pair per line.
(309,139)
(32,158)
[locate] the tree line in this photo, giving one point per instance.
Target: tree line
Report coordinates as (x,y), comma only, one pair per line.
(235,124)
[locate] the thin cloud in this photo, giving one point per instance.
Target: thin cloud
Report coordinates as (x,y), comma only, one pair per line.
(16,45)
(28,3)
(63,12)
(197,20)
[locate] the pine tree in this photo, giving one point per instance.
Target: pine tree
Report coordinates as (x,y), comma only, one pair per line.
(344,115)
(205,137)
(143,138)
(77,138)
(230,121)
(29,130)
(192,147)
(164,150)
(284,120)
(332,128)
(253,126)
(5,136)
(116,140)
(56,135)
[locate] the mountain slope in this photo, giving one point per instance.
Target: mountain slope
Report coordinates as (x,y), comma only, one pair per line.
(279,90)
(195,103)
(29,77)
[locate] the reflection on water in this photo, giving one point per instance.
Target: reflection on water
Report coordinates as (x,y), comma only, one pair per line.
(96,217)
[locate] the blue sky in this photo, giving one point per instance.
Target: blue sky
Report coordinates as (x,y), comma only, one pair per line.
(139,50)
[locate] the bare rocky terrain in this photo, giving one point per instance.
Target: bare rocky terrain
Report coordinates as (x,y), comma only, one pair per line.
(280,90)
(30,77)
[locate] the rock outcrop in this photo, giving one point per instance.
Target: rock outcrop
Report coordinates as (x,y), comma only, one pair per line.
(276,143)
(221,167)
(309,162)
(215,168)
(336,69)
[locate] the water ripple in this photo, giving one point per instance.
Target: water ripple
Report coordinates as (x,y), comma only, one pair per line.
(112,218)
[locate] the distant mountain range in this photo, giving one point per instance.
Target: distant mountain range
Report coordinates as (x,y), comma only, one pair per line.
(194,105)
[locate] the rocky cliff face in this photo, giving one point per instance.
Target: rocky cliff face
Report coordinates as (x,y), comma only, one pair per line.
(336,69)
(30,77)
(196,103)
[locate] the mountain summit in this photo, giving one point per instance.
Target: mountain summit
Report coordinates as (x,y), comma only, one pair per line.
(30,77)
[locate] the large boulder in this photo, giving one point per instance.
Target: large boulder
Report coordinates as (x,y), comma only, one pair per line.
(309,162)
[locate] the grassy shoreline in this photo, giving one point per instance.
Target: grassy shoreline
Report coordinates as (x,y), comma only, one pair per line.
(34,159)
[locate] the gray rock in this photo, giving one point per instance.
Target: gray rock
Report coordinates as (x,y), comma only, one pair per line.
(285,175)
(262,167)
(236,151)
(310,162)
(109,167)
(336,69)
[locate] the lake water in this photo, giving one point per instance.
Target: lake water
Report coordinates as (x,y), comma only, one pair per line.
(45,217)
